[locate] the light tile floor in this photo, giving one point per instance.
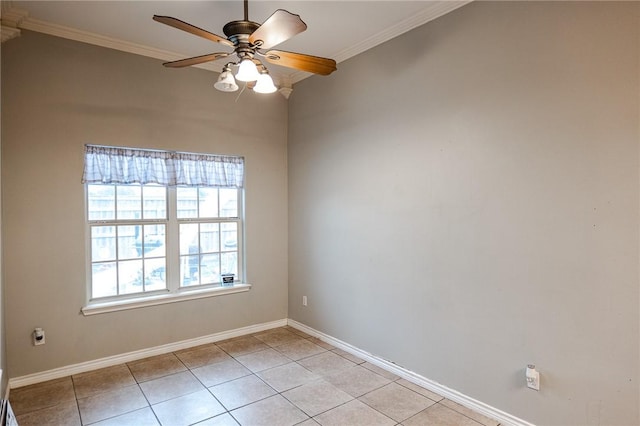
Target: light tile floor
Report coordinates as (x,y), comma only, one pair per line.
(278,377)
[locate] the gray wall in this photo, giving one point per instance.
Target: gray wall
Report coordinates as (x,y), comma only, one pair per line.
(463,200)
(58,95)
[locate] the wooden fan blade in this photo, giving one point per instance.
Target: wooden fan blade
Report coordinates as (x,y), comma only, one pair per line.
(195,60)
(299,61)
(280,26)
(181,25)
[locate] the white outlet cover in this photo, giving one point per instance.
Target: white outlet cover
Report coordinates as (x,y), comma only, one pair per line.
(39,342)
(533,380)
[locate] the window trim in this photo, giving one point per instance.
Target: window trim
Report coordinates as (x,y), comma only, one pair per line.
(160,299)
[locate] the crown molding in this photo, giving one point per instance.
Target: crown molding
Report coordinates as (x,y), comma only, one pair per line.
(435,10)
(104,41)
(44,27)
(10,18)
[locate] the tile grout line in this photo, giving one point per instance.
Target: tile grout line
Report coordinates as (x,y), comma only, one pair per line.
(254,373)
(208,389)
(75,395)
(296,361)
(143,394)
(353,398)
(279,393)
(462,414)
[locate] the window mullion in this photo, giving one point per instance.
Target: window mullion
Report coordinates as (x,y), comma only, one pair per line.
(117,230)
(219,234)
(239,220)
(173,242)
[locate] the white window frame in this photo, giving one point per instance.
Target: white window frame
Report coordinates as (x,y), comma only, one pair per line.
(173,293)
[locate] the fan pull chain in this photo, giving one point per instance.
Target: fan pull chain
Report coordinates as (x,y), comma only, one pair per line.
(243,87)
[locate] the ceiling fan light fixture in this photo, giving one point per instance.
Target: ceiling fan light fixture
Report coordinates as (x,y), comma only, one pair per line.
(247,71)
(264,84)
(226,82)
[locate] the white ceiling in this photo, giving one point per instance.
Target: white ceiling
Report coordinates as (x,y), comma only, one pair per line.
(336,29)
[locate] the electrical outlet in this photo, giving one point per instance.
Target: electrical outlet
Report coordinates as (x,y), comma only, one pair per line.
(38,337)
(533,377)
(304,300)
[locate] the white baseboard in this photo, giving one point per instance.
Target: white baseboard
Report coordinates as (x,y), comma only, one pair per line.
(451,394)
(56,373)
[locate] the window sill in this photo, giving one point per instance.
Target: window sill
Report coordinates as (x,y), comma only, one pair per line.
(121,305)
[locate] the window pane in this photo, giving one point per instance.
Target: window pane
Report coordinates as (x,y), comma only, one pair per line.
(189,270)
(154,202)
(154,241)
(209,237)
(229,236)
(208,202)
(129,241)
(228,202)
(210,268)
(189,238)
(101,203)
(129,201)
(130,276)
(104,280)
(187,199)
(103,243)
(230,263)
(155,276)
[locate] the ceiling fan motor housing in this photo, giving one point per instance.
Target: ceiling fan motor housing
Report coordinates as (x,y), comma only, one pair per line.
(235,30)
(238,33)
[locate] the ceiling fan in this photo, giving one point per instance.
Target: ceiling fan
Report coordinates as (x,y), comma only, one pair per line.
(250,42)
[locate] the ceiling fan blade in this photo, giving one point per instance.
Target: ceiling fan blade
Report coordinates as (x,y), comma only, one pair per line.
(195,60)
(299,61)
(181,25)
(280,26)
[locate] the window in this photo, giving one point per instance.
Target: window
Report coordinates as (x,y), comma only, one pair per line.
(128,227)
(209,224)
(160,228)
